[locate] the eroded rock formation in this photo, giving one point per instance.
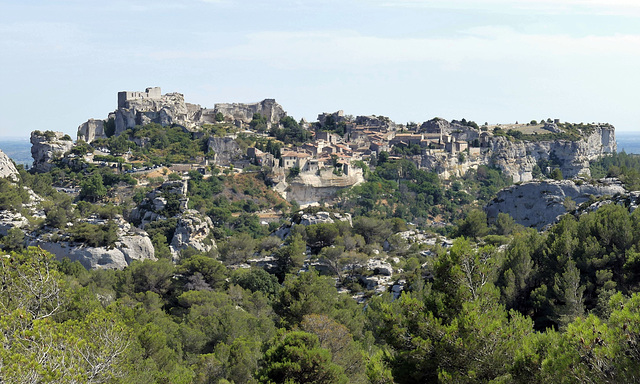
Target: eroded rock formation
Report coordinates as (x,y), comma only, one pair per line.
(132,244)
(518,158)
(193,231)
(540,203)
(243,113)
(45,146)
(92,129)
(311,188)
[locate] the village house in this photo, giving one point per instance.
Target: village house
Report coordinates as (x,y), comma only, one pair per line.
(292,159)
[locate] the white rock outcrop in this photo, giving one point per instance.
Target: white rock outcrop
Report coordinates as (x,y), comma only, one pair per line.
(538,204)
(226,150)
(311,188)
(10,220)
(166,110)
(193,231)
(126,250)
(45,146)
(241,113)
(7,167)
(518,158)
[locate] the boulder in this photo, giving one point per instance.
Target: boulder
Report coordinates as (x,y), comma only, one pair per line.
(379,267)
(324,217)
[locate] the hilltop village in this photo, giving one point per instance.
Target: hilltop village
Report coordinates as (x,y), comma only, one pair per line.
(338,141)
(236,244)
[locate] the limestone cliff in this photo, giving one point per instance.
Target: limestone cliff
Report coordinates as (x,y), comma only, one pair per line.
(167,110)
(126,250)
(518,158)
(46,146)
(226,149)
(243,113)
(537,204)
(311,188)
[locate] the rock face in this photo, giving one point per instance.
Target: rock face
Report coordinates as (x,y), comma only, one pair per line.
(226,149)
(193,230)
(91,129)
(243,113)
(310,188)
(133,244)
(126,250)
(7,167)
(517,159)
(537,204)
(45,146)
(166,110)
(151,208)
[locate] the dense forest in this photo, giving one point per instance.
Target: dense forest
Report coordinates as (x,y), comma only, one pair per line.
(502,304)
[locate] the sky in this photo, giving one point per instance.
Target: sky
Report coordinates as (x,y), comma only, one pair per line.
(495,61)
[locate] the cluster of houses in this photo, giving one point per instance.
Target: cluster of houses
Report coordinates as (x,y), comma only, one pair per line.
(364,136)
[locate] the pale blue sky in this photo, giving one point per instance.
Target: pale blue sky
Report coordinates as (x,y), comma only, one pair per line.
(499,61)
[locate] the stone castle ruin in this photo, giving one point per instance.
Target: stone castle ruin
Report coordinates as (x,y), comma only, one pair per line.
(151,106)
(152,93)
